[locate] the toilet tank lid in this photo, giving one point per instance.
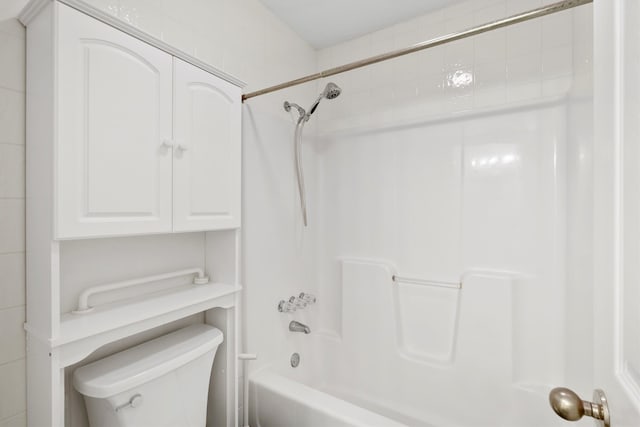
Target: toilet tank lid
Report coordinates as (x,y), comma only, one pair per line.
(145,362)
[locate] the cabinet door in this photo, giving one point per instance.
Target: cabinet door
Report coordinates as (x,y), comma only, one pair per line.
(207,151)
(114,113)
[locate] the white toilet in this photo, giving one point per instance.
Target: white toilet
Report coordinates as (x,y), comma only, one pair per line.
(163,382)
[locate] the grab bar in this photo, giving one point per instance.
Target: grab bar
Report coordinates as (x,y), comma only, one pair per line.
(439,284)
(83,299)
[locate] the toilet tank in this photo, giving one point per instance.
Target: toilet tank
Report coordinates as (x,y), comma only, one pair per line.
(162,382)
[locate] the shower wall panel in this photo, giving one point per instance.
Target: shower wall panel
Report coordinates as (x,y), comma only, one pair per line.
(458,164)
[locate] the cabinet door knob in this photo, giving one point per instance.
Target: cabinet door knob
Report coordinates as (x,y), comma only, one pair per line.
(167,143)
(182,147)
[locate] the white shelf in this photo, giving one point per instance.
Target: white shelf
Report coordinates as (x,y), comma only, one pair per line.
(81,334)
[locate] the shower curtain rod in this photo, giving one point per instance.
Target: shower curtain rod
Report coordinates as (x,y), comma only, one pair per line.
(505,22)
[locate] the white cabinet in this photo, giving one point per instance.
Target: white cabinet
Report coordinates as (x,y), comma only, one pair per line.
(114,111)
(206,178)
(126,136)
(146,143)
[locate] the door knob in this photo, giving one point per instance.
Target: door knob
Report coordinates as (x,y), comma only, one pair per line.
(568,405)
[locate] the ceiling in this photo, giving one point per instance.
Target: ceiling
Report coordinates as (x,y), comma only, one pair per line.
(327,22)
(322,22)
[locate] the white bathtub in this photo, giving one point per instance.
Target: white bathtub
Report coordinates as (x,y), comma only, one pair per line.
(282,402)
(385,371)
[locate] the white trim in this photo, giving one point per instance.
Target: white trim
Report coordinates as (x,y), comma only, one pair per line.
(627,380)
(31,10)
(35,6)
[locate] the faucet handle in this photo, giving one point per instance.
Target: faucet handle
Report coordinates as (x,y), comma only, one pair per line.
(307,298)
(286,307)
(298,302)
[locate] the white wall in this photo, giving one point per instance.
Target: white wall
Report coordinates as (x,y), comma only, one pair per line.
(243,38)
(12,241)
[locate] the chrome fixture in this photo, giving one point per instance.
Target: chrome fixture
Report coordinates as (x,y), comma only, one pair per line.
(294,303)
(288,105)
(298,302)
(295,326)
(295,360)
(307,298)
(568,405)
(286,306)
(331,91)
(490,26)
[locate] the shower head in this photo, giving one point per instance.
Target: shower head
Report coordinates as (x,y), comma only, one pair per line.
(331,91)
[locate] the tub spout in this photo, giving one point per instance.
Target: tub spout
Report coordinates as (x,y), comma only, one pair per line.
(299,327)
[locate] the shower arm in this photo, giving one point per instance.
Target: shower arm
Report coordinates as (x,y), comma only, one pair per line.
(490,26)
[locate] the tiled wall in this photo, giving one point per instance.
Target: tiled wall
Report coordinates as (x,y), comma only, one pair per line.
(12,241)
(514,64)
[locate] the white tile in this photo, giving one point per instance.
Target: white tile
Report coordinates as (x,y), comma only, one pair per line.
(488,74)
(431,60)
(382,41)
(12,168)
(179,35)
(491,46)
(12,116)
(490,13)
(458,54)
(12,58)
(524,68)
(490,96)
(12,335)
(13,393)
(382,73)
(407,37)
(430,26)
(583,24)
(432,85)
(524,38)
(19,420)
(557,61)
(458,23)
(557,86)
(582,58)
(458,104)
(459,82)
(517,92)
(12,282)
(12,222)
(518,6)
(557,29)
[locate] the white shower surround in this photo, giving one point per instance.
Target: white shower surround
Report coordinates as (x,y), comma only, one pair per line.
(420,176)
